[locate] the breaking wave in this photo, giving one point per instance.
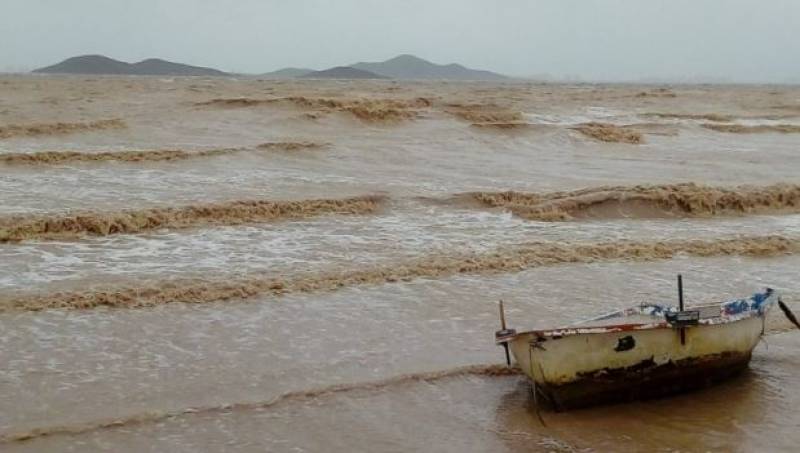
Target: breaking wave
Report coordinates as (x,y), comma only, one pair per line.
(507,259)
(161,155)
(502,126)
(490,370)
(59,157)
(235,102)
(372,112)
(610,133)
(762,128)
(717,117)
(55,226)
(367,110)
(291,146)
(32,130)
(646,201)
(479,114)
(652,128)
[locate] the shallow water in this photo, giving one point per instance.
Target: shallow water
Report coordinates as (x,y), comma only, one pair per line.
(77,368)
(78,371)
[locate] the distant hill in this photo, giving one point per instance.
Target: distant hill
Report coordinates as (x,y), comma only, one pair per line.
(411,67)
(343,72)
(155,66)
(400,67)
(287,73)
(99,64)
(87,64)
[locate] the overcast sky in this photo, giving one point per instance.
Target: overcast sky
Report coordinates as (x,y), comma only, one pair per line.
(744,40)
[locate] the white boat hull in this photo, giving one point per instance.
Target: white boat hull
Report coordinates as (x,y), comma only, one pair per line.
(588,366)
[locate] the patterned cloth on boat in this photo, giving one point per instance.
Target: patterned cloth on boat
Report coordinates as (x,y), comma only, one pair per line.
(754,303)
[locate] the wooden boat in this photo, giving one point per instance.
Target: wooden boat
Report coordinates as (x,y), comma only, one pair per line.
(645,351)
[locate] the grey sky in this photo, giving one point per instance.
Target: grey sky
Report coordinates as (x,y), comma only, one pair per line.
(748,40)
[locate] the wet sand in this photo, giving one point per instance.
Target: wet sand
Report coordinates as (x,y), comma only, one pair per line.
(369,326)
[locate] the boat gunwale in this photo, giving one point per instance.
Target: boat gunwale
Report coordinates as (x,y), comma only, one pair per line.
(628,327)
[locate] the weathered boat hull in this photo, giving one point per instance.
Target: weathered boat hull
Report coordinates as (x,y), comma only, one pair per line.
(645,382)
(633,362)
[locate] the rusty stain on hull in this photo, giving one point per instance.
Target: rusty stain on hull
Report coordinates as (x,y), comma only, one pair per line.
(644,380)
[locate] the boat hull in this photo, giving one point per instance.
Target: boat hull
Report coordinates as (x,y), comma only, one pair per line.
(583,369)
(645,382)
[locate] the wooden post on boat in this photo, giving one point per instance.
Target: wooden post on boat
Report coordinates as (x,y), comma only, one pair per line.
(503,329)
(680,306)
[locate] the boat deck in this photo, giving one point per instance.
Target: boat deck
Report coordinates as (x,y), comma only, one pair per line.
(638,318)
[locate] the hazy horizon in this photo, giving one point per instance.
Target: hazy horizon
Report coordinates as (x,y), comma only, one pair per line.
(603,40)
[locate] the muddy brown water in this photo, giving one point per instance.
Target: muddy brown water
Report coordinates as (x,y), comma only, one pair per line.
(382,365)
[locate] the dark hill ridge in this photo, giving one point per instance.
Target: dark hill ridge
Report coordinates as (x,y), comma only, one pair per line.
(99,64)
(411,67)
(88,64)
(400,67)
(342,72)
(156,66)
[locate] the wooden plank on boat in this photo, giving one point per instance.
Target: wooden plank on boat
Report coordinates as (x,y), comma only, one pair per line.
(709,311)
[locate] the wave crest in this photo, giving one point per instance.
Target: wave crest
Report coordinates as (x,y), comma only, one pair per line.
(687,200)
(610,133)
(366,110)
(59,226)
(759,129)
(44,129)
(508,259)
